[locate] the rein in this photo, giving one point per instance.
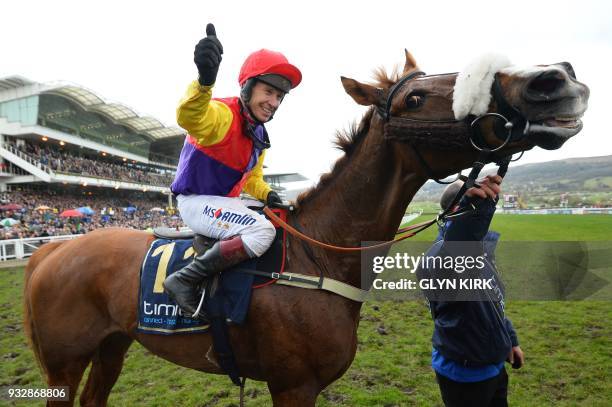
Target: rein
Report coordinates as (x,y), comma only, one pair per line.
(296,233)
(413,229)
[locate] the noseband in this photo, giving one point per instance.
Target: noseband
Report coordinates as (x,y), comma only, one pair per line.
(510,125)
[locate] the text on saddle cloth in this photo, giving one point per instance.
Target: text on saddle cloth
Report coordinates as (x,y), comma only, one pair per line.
(158,314)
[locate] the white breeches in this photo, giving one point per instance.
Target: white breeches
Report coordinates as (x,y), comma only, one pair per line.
(220,218)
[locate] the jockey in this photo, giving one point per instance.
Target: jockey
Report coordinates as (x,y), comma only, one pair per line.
(223,155)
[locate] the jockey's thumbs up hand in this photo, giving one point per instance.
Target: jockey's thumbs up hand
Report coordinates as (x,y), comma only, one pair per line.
(207,56)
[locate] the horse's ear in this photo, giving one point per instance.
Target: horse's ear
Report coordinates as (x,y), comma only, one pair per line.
(366,95)
(410,64)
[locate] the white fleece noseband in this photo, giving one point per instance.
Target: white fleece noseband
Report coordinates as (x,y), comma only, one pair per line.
(472,93)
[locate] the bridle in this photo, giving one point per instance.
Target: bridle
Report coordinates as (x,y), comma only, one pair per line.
(510,125)
(512,122)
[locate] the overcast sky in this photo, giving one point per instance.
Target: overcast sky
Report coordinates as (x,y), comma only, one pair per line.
(140,53)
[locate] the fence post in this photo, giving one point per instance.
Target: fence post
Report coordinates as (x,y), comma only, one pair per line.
(19,249)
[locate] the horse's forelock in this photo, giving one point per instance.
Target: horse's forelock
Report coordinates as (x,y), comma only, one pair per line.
(384,79)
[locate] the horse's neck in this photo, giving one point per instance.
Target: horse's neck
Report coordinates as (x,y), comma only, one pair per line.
(363,200)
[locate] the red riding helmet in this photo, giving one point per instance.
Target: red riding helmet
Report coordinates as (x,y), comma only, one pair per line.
(266,62)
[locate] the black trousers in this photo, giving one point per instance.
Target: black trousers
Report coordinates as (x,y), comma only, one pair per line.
(488,393)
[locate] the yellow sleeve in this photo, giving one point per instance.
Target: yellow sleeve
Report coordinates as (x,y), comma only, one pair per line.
(204,119)
(255,184)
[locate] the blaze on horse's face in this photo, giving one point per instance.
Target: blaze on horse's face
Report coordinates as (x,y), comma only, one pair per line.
(548,96)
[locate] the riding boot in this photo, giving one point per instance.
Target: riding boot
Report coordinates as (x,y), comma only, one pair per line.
(182,285)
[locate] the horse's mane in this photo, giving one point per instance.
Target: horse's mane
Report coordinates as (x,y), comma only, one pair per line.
(347,141)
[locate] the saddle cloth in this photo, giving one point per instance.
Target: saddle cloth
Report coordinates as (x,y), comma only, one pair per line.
(158,314)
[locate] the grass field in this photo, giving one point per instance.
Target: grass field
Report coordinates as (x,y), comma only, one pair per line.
(541,227)
(568,347)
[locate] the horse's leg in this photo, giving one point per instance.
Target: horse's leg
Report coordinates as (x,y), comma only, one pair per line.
(66,374)
(105,369)
(303,396)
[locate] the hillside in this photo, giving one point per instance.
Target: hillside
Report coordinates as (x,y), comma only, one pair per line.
(587,180)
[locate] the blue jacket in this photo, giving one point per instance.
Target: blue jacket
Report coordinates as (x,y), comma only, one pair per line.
(472,333)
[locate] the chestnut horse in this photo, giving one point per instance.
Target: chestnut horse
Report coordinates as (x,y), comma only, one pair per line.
(81,295)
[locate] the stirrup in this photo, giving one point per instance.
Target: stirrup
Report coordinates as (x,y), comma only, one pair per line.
(196,313)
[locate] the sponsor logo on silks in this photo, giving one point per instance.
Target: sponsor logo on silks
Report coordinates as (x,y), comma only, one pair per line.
(230,217)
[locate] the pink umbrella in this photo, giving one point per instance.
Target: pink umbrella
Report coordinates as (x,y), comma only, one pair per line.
(10,207)
(71,213)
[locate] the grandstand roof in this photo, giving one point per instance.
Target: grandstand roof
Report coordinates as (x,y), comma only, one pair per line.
(90,101)
(13,82)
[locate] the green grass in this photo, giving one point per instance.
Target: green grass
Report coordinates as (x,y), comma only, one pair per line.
(540,227)
(568,348)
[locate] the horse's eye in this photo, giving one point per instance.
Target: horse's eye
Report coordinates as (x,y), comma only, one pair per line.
(415,100)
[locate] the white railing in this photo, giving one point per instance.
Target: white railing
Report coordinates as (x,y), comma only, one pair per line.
(59,175)
(22,248)
(28,158)
(558,211)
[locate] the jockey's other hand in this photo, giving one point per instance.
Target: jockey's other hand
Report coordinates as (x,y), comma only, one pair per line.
(273,199)
(207,56)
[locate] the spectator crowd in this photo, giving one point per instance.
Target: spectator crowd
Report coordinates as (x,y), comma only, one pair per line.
(39,213)
(63,161)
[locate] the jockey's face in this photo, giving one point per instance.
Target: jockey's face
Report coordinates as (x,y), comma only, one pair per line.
(265,99)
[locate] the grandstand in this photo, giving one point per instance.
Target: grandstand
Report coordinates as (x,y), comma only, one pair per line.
(63,118)
(62,146)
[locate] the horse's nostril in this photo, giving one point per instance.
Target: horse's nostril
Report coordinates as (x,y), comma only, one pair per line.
(547,83)
(569,69)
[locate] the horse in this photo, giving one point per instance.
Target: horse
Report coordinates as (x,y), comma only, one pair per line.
(80,296)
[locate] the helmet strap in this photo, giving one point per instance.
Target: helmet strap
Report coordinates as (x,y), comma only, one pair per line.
(251,124)
(247,90)
(245,97)
(247,113)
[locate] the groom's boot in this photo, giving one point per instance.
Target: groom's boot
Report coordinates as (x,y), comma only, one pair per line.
(182,285)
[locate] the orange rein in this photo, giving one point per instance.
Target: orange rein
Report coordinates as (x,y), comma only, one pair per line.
(296,233)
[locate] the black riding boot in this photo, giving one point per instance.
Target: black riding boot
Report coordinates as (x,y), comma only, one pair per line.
(181,286)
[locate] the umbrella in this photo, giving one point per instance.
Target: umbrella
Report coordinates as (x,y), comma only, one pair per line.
(130,209)
(71,213)
(156,209)
(42,208)
(8,222)
(10,207)
(86,210)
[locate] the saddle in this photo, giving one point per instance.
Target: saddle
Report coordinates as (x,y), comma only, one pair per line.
(227,295)
(200,244)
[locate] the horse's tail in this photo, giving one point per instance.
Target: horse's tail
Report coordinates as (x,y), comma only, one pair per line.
(28,323)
